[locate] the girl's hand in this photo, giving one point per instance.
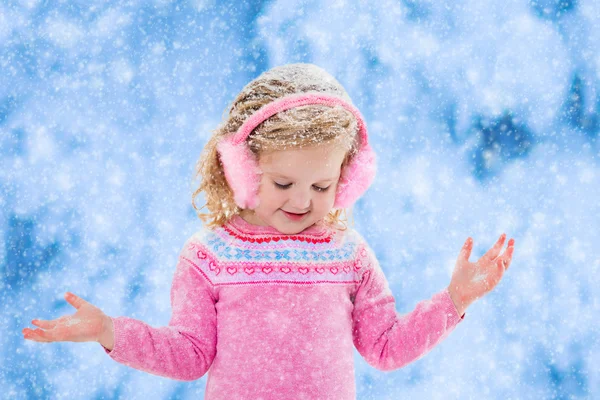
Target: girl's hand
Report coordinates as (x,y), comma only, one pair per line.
(471,281)
(88,324)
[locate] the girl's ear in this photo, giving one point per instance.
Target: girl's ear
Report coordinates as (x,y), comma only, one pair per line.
(241,171)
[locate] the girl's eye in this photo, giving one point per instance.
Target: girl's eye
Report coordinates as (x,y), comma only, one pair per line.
(317,188)
(280,186)
(320,189)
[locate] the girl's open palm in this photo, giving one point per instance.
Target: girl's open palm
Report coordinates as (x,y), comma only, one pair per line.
(86,325)
(471,281)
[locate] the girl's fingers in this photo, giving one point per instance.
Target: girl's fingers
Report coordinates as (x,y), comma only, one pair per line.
(48,324)
(499,265)
(49,329)
(492,253)
(37,335)
(74,300)
(465,252)
(43,324)
(509,253)
(504,260)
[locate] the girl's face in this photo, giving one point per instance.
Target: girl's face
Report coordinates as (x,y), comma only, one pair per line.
(297,187)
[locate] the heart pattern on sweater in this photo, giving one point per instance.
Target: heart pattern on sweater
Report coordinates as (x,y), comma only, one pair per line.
(299,262)
(276,238)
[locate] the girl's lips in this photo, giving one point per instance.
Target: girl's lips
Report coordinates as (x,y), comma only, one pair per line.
(295,217)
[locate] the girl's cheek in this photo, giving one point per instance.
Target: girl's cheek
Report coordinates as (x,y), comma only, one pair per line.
(275,198)
(330,200)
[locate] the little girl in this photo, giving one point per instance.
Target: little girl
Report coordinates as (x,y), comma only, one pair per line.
(270,297)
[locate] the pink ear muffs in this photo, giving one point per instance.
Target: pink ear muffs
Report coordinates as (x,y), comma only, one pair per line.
(243,173)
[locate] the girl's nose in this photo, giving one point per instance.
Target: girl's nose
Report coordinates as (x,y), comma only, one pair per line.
(300,200)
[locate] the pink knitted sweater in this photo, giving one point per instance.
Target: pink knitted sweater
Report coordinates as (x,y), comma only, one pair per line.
(273,316)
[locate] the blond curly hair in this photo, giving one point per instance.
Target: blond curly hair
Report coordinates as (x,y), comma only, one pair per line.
(304,126)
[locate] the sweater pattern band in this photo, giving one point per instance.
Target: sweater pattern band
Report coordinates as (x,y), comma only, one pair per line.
(225,259)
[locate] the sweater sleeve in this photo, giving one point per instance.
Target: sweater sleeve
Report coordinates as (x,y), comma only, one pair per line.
(386,339)
(185,349)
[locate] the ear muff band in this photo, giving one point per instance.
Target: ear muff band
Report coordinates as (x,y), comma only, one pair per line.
(241,167)
(292,101)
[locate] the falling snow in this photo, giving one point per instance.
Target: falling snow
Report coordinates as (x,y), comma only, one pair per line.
(484,116)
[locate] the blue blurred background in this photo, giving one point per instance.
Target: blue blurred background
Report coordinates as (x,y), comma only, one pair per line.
(484,116)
